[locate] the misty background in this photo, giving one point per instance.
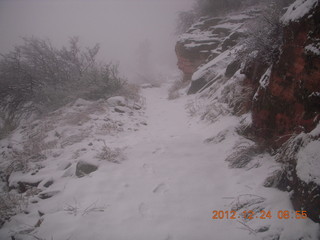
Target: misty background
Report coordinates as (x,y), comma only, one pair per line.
(120,26)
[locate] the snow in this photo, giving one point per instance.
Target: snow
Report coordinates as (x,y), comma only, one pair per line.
(228,25)
(198,36)
(298,10)
(314,94)
(193,44)
(308,165)
(264,81)
(166,188)
(203,70)
(313,48)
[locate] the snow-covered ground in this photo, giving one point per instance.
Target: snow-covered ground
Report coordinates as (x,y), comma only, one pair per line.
(164,186)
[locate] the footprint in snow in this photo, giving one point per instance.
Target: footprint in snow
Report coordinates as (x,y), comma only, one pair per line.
(161,188)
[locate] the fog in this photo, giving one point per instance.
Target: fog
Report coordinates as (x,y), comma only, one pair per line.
(120,26)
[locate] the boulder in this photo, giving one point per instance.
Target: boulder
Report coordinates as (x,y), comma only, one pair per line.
(84,168)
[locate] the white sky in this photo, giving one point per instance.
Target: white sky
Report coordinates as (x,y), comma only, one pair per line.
(118,25)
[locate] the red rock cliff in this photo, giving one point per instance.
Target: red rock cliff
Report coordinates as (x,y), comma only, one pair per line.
(291,101)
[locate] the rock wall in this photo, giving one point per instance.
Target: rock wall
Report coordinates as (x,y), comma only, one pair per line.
(291,101)
(209,38)
(189,60)
(286,102)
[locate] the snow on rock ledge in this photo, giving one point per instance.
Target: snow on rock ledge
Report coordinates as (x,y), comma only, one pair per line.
(298,10)
(208,39)
(308,166)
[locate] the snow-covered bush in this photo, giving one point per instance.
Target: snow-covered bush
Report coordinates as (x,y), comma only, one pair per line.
(37,77)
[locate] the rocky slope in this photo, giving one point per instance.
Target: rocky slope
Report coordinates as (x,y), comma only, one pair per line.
(282,99)
(208,39)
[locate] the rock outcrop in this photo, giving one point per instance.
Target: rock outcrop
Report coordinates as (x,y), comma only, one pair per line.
(285,104)
(290,102)
(208,38)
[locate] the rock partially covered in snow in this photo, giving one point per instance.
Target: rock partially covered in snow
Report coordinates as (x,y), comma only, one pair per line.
(49,194)
(116,101)
(121,109)
(84,168)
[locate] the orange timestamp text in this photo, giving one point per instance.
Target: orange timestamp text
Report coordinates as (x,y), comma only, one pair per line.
(281,214)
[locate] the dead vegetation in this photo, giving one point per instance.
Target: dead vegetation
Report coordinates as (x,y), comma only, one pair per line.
(110,155)
(243,153)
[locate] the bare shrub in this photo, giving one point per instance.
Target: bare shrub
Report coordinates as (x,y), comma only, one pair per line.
(114,156)
(10,205)
(109,128)
(243,153)
(36,77)
(213,111)
(290,148)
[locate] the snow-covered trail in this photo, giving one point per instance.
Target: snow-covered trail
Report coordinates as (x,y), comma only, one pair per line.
(168,186)
(166,189)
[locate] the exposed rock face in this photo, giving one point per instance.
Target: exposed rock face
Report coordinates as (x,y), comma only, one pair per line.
(291,101)
(189,61)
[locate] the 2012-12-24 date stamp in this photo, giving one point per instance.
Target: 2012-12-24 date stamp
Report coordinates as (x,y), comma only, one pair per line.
(281,214)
